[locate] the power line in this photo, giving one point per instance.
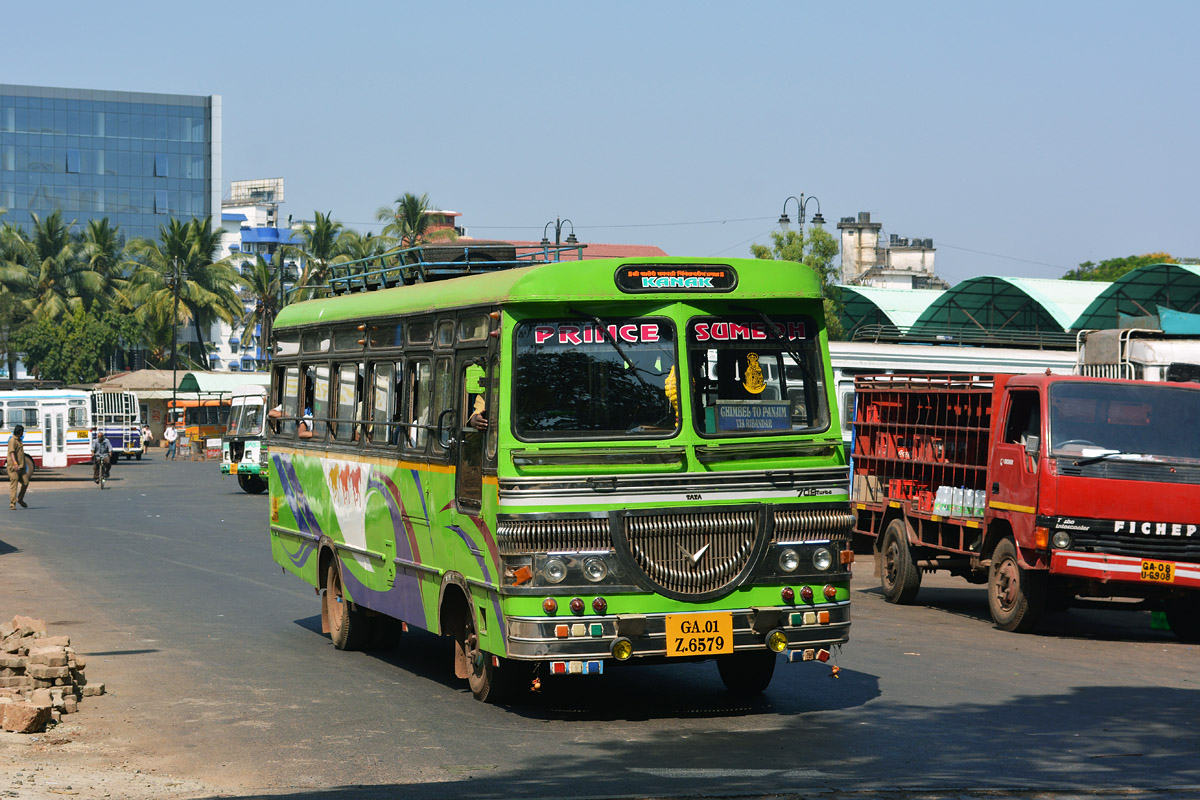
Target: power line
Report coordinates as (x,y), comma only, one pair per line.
(941,243)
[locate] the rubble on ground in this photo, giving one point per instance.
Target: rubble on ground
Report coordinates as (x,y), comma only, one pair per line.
(41,676)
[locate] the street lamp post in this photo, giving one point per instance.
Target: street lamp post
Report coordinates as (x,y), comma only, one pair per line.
(801,203)
(174,340)
(558,228)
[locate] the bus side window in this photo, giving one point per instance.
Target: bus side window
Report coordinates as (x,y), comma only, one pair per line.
(349,395)
(443,393)
(383,401)
(288,400)
(493,408)
(321,404)
(1,416)
(418,388)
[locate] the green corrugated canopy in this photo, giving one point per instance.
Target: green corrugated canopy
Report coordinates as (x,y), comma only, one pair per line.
(1001,305)
(1141,293)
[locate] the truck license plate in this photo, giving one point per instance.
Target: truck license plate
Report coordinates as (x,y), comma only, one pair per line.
(699,634)
(1158,571)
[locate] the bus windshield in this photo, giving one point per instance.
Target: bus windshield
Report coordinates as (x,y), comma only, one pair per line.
(246,419)
(576,380)
(753,376)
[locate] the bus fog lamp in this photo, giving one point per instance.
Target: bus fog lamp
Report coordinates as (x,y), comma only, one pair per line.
(555,570)
(622,649)
(595,570)
(1061,540)
(822,559)
(777,641)
(789,560)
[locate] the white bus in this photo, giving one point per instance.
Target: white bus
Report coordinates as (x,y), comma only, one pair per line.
(119,415)
(1140,354)
(863,358)
(244,445)
(57,424)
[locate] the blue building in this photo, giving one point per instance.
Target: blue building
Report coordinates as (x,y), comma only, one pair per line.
(138,159)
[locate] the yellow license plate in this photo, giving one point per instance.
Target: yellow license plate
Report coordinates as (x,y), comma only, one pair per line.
(699,634)
(1158,571)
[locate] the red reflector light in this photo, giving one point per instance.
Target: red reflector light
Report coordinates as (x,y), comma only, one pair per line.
(788,594)
(577,605)
(830,591)
(599,605)
(806,594)
(550,605)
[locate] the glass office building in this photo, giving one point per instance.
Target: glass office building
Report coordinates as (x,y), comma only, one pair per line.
(138,159)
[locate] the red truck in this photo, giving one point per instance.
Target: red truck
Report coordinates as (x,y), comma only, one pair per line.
(1069,486)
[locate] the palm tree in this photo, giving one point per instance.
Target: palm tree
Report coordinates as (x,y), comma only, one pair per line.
(57,278)
(364,247)
(206,290)
(320,249)
(261,284)
(103,249)
(408,222)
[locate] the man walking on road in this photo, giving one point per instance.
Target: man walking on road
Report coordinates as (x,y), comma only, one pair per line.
(18,476)
(169,436)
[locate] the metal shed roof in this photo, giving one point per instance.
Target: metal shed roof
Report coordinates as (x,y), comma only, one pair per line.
(1141,292)
(1011,305)
(869,305)
(220,382)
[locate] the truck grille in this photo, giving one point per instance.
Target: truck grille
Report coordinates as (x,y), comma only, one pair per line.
(692,554)
(522,536)
(1167,548)
(1132,471)
(817,523)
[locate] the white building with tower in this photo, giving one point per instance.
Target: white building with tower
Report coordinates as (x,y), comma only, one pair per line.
(869,258)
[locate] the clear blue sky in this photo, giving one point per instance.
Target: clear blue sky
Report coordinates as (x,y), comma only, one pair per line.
(1023,137)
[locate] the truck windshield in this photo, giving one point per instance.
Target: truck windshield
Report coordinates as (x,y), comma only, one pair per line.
(1150,420)
(574,380)
(754,377)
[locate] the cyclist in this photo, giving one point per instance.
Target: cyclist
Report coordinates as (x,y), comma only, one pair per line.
(101,456)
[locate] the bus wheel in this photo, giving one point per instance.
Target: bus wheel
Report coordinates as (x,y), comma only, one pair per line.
(489,683)
(1183,615)
(899,574)
(138,456)
(747,672)
(348,627)
(252,484)
(1016,596)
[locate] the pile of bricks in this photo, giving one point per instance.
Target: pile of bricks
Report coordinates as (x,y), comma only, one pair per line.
(41,677)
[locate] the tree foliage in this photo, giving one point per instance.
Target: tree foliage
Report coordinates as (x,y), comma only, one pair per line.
(76,349)
(1113,268)
(817,252)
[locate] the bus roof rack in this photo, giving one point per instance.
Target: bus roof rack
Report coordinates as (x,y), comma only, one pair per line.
(435,262)
(11,385)
(957,335)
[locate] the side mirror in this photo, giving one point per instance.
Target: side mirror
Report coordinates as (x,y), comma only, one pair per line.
(1032,445)
(445,431)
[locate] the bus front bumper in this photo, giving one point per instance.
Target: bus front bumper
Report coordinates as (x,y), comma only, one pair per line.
(807,628)
(244,469)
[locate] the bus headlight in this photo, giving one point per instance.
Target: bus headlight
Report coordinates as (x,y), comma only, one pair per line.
(822,559)
(789,560)
(555,570)
(594,569)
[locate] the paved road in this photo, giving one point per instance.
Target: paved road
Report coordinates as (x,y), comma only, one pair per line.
(218,672)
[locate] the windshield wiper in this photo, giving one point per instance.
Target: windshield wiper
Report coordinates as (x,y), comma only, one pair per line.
(607,336)
(773,332)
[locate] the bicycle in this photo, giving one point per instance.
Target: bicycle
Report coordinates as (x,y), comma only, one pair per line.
(105,466)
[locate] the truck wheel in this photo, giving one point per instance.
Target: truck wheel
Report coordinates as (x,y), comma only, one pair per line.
(748,672)
(1016,596)
(899,574)
(1183,615)
(252,484)
(348,627)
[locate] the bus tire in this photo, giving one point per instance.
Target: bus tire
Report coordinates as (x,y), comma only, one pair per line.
(138,456)
(1016,596)
(748,672)
(489,683)
(252,484)
(1183,615)
(348,626)
(898,574)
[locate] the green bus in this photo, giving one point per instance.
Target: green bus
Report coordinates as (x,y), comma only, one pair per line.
(567,466)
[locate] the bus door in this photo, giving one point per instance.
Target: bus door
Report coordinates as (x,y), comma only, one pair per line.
(472,427)
(54,436)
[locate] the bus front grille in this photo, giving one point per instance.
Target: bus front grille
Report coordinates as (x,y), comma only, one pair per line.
(692,554)
(819,524)
(522,536)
